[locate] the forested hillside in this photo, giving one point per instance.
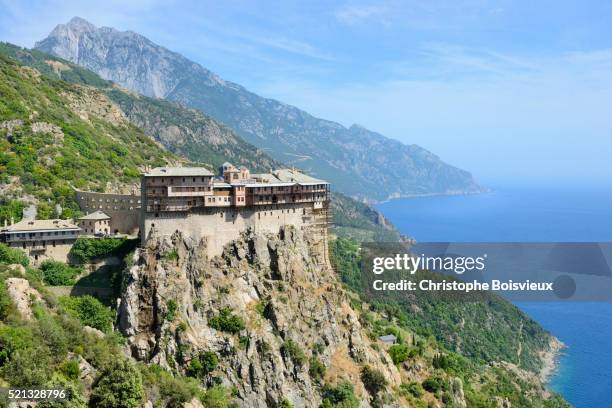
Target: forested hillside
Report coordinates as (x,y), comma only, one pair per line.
(55,136)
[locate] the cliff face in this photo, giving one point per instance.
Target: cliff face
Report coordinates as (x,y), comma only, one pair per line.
(280,285)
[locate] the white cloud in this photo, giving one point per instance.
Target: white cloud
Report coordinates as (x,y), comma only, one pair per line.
(355,14)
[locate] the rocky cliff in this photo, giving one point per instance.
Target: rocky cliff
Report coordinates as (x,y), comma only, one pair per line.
(359,162)
(280,286)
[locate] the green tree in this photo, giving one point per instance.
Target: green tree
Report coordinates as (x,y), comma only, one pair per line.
(56,273)
(399,353)
(119,386)
(90,311)
(10,255)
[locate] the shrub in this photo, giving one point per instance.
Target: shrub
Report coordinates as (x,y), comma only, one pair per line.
(203,364)
(342,395)
(58,273)
(171,256)
(71,369)
(293,351)
(175,389)
(5,300)
(13,339)
(260,308)
(171,310)
(373,380)
(217,397)
(226,321)
(131,172)
(10,255)
(9,208)
(286,404)
(317,369)
(415,389)
(89,311)
(87,249)
(119,386)
(28,368)
(433,384)
(399,353)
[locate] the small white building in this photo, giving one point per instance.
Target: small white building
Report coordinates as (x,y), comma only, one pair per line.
(95,223)
(41,239)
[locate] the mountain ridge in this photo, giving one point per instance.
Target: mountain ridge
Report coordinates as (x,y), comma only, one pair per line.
(360,163)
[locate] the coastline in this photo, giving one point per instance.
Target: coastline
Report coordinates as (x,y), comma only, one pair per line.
(550,359)
(484,190)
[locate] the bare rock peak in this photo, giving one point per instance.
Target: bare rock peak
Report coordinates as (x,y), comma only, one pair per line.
(80,23)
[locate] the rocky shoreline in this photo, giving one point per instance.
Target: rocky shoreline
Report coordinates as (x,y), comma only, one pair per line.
(550,359)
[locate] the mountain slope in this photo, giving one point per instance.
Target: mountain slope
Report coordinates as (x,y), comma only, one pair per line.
(54,135)
(357,161)
(184,131)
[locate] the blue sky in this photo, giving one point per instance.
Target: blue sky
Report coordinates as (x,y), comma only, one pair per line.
(512,91)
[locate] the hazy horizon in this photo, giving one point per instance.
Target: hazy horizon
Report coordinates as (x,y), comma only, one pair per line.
(512,92)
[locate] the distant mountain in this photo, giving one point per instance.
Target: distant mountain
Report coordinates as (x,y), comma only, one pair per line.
(357,161)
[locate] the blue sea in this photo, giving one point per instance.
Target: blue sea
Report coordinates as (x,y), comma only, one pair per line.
(510,214)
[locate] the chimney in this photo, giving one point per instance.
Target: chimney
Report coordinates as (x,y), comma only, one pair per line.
(12,220)
(5,222)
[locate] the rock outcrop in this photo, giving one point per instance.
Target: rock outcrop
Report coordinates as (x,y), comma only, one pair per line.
(286,300)
(23,295)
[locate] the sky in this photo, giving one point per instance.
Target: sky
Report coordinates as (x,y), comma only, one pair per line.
(513,91)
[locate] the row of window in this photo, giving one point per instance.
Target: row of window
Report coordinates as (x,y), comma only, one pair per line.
(40,234)
(290,188)
(43,244)
(108,200)
(90,223)
(101,207)
(153,180)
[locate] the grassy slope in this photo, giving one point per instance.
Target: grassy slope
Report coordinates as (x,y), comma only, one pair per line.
(359,221)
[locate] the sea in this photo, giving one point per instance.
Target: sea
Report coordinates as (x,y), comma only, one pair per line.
(534,214)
